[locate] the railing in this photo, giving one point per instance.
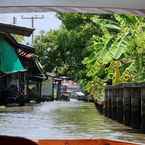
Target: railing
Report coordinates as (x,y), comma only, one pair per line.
(126,103)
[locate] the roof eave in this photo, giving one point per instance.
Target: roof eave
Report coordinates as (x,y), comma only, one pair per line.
(13,29)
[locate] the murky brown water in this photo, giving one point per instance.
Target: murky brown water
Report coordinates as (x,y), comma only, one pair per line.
(65,120)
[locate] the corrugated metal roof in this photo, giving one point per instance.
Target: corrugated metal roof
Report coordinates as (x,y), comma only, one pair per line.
(8,28)
(85,6)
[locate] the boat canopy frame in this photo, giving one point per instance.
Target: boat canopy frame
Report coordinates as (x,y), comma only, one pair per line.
(136,7)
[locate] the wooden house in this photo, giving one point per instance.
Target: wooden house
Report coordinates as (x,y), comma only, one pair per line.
(19,67)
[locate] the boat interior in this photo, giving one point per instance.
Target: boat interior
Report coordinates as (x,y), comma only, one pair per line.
(83,6)
(9,140)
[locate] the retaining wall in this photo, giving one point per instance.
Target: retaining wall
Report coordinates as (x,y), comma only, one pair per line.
(126,103)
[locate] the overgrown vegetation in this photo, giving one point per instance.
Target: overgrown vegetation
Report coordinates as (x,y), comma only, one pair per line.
(95,48)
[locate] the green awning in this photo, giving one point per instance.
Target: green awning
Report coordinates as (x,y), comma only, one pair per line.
(9,61)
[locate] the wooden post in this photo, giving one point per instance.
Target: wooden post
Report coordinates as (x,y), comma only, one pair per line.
(27,87)
(40,90)
(53,84)
(120,104)
(135,106)
(59,90)
(114,103)
(143,108)
(106,101)
(110,101)
(126,105)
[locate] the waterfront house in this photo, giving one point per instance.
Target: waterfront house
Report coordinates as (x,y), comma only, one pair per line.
(21,73)
(47,87)
(11,68)
(34,76)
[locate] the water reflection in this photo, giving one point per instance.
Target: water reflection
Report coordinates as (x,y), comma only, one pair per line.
(64,120)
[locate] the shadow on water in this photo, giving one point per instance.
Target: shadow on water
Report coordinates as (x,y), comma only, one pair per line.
(65,120)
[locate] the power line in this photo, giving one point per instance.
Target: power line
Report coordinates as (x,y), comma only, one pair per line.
(33,18)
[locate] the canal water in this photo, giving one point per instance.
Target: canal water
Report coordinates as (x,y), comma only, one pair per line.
(74,119)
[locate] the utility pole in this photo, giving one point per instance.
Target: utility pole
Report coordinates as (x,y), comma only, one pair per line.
(33,18)
(14,20)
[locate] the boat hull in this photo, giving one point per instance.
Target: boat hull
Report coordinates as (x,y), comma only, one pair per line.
(9,140)
(84,142)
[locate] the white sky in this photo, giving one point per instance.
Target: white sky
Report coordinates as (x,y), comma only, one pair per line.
(49,22)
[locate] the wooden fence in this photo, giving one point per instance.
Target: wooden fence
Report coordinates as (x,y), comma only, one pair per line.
(126,103)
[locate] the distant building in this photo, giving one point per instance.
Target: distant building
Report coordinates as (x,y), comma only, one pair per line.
(47,87)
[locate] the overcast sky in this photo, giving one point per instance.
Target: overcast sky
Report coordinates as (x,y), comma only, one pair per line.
(49,22)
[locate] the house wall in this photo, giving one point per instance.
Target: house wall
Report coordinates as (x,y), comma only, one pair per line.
(47,87)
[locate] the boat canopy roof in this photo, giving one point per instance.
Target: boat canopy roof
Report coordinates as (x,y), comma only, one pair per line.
(136,7)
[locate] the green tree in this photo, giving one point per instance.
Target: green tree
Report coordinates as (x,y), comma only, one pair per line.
(95,48)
